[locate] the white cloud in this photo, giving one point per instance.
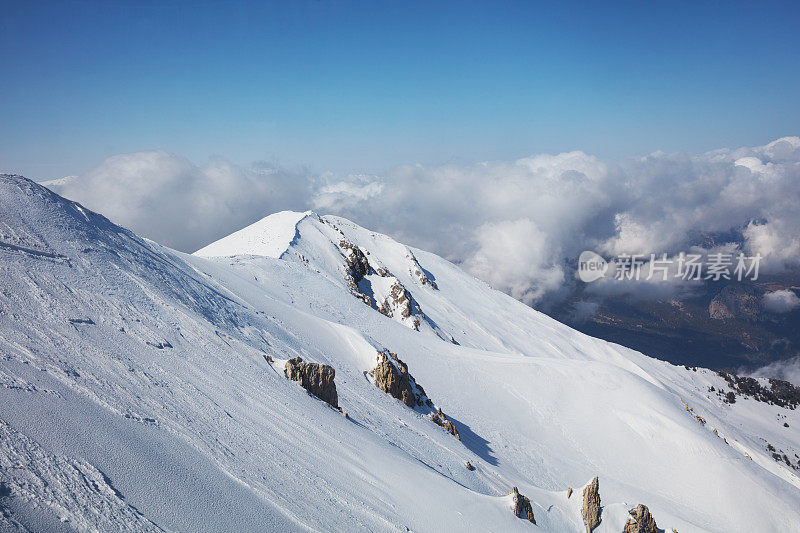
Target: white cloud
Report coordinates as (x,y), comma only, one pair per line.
(343,194)
(787,370)
(778,241)
(655,204)
(170,200)
(515,256)
(520,225)
(781,301)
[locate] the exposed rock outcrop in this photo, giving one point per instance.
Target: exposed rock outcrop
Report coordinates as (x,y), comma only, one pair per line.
(420,273)
(641,521)
(591,505)
(355,260)
(521,506)
(392,377)
(441,419)
(356,267)
(401,303)
(470,467)
(569,492)
(398,302)
(315,378)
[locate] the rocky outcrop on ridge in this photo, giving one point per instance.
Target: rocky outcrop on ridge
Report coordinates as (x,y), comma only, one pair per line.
(440,419)
(401,303)
(398,303)
(641,521)
(522,506)
(356,267)
(315,378)
(391,375)
(420,273)
(355,260)
(781,393)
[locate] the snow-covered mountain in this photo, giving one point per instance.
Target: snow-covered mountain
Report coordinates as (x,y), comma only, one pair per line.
(145,389)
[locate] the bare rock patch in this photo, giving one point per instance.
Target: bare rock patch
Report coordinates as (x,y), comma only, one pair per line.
(315,378)
(521,506)
(391,375)
(440,419)
(641,521)
(591,509)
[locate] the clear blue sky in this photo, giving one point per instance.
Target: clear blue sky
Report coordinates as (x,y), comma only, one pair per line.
(349,86)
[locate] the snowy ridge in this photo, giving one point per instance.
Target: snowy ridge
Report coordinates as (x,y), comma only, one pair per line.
(270,237)
(148,370)
(320,243)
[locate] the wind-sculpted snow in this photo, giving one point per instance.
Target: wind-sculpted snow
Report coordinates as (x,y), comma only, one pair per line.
(149,371)
(72,491)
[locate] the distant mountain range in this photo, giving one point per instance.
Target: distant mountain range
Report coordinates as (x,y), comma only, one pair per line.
(722,326)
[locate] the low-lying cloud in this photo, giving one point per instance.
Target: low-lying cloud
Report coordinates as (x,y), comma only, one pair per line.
(520,225)
(781,301)
(787,370)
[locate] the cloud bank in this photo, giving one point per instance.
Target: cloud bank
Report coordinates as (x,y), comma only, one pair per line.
(520,225)
(787,370)
(169,199)
(781,301)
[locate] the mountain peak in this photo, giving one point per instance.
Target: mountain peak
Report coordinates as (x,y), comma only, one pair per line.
(35,220)
(270,237)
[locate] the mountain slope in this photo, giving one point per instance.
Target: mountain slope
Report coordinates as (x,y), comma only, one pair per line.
(138,378)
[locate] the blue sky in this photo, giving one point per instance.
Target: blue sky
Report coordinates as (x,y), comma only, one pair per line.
(361,87)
